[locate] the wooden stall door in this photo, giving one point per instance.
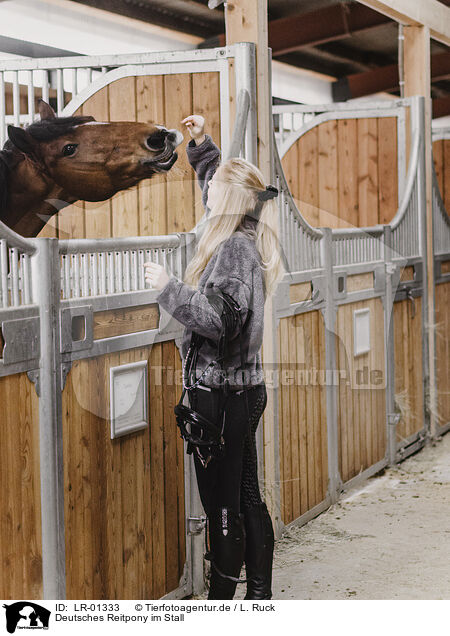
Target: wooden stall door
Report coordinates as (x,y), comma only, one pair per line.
(20,490)
(302,414)
(442,326)
(362,395)
(165,203)
(441,155)
(343,173)
(124,498)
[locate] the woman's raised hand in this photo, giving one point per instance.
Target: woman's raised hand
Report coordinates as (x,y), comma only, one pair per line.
(155,275)
(196,127)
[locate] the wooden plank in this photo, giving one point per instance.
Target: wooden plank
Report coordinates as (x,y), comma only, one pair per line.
(430,13)
(291,165)
(443,351)
(116,322)
(347,153)
(294,424)
(446,192)
(328,174)
(152,192)
(317,390)
(438,157)
(158,381)
(357,282)
(307,183)
(300,292)
(205,102)
(311,448)
(367,131)
(180,184)
(180,472)
(323,407)
(124,205)
(299,322)
(170,478)
(387,169)
(287,456)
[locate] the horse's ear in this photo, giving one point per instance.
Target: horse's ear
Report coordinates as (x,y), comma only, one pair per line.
(21,139)
(45,110)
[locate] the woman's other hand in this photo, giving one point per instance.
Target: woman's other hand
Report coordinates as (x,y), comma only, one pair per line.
(155,275)
(196,127)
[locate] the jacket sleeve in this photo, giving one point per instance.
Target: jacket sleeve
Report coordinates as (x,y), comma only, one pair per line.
(192,307)
(205,159)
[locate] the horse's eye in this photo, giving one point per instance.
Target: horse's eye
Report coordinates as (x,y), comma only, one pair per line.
(69,149)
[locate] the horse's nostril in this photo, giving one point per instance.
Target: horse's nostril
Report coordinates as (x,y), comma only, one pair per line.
(157,140)
(172,137)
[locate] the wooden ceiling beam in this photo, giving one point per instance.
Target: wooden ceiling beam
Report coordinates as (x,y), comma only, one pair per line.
(430,13)
(295,32)
(385,78)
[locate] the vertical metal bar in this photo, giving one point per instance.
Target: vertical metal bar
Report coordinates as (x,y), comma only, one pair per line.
(245,77)
(59,90)
(94,268)
(4,272)
(110,256)
(141,260)
(331,389)
(26,280)
(14,265)
(46,279)
(134,270)
(74,82)
(102,259)
(225,123)
(76,275)
(31,112)
(16,98)
(127,273)
(85,275)
(45,85)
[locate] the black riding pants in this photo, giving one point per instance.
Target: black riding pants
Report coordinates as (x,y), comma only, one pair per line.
(232,480)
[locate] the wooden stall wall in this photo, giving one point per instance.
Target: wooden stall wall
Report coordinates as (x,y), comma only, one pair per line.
(165,203)
(441,155)
(20,495)
(361,397)
(442,325)
(408,366)
(302,414)
(343,173)
(124,498)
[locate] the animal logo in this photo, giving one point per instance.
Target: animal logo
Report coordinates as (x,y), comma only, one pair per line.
(26,615)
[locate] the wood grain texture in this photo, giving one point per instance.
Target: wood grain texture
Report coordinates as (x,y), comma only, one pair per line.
(360,281)
(343,173)
(442,322)
(408,367)
(441,155)
(361,410)
(20,517)
(302,414)
(117,322)
(124,498)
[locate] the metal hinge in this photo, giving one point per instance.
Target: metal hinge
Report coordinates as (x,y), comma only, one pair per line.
(196,525)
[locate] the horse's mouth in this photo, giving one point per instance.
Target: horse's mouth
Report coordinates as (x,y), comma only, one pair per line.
(164,162)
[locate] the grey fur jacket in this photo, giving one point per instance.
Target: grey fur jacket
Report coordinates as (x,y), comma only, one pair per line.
(235,268)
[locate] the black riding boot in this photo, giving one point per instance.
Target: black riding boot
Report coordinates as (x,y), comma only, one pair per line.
(227,545)
(258,552)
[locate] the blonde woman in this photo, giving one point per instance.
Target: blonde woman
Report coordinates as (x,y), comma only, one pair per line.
(237,254)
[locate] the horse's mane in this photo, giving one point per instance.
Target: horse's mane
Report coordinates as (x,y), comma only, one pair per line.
(48,129)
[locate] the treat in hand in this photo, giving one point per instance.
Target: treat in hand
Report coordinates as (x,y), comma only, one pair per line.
(196,127)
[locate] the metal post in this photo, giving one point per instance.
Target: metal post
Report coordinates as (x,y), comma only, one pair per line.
(329,313)
(389,353)
(245,77)
(46,281)
(418,123)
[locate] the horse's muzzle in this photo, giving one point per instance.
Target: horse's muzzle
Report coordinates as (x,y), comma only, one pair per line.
(168,157)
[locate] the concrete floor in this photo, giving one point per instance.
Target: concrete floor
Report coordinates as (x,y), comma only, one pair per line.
(387,539)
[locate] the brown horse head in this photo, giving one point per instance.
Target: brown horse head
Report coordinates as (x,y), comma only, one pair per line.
(77,158)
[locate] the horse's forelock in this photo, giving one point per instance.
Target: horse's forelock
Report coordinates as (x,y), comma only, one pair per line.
(49,129)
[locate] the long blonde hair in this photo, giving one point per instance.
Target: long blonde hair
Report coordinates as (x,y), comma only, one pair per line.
(237,184)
